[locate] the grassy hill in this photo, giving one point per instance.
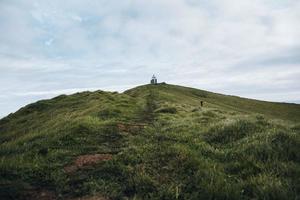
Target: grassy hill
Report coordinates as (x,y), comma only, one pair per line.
(151,142)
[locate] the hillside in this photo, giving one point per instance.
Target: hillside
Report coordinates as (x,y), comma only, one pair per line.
(151,142)
(191,96)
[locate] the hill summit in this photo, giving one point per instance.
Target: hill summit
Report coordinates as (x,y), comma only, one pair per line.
(156,141)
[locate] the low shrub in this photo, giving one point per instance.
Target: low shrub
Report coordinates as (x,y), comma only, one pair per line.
(210,114)
(224,134)
(171,110)
(108,113)
(197,93)
(266,186)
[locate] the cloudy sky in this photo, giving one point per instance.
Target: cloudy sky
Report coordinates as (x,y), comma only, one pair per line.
(249,48)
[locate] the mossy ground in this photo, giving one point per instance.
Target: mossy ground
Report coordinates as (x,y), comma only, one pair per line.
(231,148)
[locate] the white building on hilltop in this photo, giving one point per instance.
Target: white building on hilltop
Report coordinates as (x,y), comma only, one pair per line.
(153,80)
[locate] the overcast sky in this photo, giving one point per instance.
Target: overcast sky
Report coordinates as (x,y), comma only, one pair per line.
(249,48)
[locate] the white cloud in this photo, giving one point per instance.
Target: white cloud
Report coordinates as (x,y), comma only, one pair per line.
(49,42)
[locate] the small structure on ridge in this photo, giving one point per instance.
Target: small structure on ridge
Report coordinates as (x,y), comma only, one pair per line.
(153,80)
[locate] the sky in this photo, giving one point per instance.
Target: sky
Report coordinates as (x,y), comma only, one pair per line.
(248,48)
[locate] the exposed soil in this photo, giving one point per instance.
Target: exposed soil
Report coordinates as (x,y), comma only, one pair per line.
(91,198)
(39,194)
(130,128)
(87,160)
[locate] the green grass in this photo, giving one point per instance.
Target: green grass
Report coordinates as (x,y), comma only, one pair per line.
(231,148)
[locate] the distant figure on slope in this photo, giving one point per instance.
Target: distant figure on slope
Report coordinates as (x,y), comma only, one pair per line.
(153,80)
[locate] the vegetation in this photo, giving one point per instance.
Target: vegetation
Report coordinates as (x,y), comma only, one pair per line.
(163,145)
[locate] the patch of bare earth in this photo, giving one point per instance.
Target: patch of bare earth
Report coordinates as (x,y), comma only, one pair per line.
(91,198)
(131,128)
(39,194)
(87,160)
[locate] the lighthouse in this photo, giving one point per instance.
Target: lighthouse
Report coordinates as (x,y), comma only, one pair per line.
(153,80)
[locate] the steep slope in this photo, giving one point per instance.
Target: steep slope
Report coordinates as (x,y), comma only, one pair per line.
(151,142)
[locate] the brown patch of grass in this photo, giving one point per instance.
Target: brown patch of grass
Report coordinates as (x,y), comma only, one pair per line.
(97,197)
(39,194)
(131,128)
(87,160)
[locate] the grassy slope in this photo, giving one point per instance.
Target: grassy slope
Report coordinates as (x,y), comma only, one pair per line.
(232,148)
(285,111)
